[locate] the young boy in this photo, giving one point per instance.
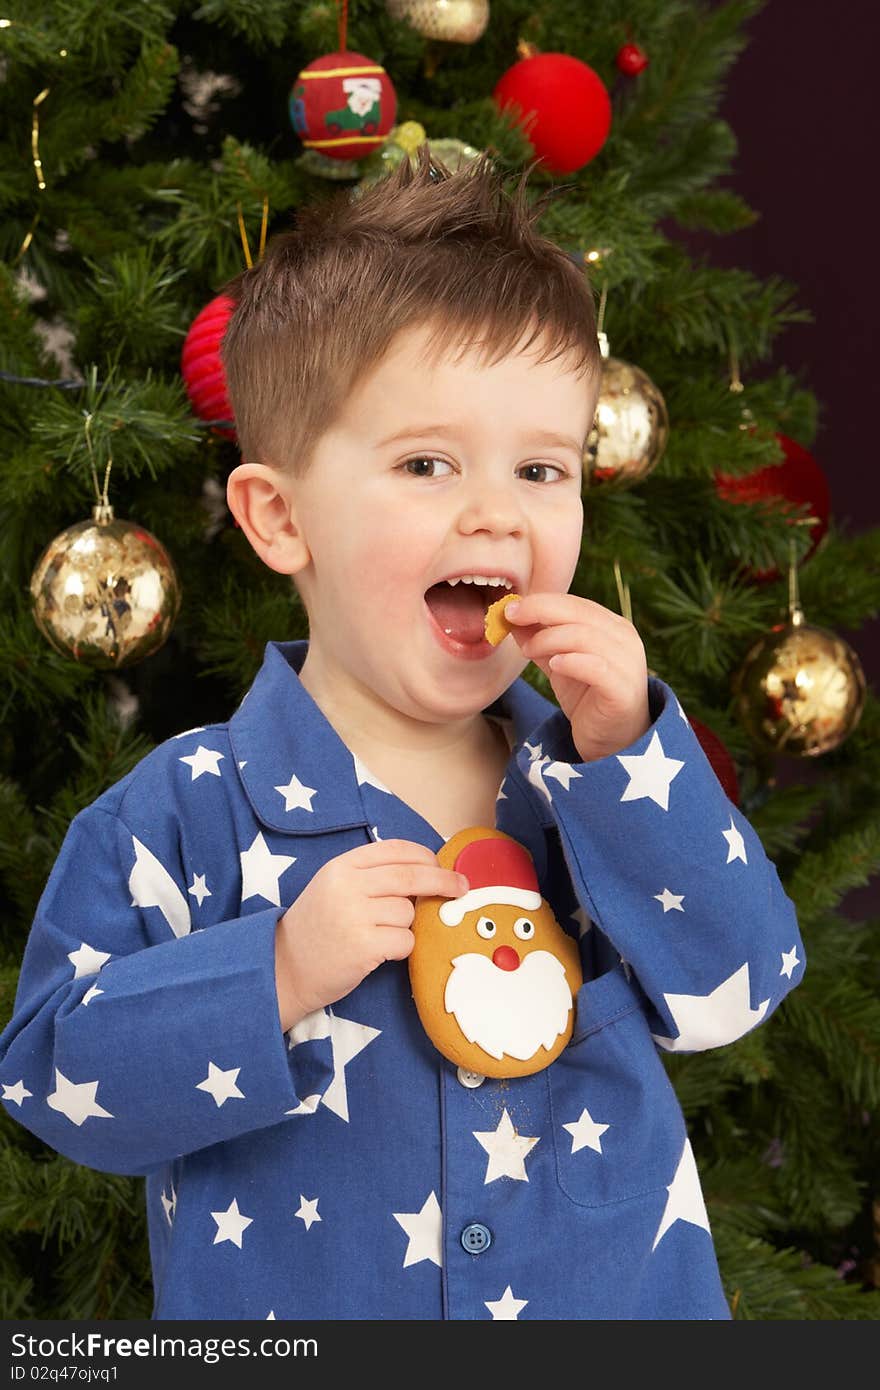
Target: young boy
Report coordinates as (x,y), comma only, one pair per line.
(215,991)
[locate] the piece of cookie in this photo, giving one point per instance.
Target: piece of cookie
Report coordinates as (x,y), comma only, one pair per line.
(496,625)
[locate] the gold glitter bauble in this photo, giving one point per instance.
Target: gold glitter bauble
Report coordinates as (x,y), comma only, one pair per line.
(402,143)
(453,21)
(800,690)
(630,429)
(105,592)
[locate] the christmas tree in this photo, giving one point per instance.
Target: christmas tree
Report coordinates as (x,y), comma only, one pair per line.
(149,150)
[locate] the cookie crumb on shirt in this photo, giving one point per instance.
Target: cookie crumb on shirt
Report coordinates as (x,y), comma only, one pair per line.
(496,625)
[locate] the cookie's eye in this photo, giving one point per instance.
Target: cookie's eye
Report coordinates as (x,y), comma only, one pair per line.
(524,928)
(486,928)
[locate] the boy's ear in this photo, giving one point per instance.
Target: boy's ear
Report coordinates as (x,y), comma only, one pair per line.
(261,501)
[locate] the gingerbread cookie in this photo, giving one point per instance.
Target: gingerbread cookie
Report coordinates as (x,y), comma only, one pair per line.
(495,623)
(493,974)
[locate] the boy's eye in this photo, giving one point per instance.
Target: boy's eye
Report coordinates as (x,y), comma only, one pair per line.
(425,466)
(545,469)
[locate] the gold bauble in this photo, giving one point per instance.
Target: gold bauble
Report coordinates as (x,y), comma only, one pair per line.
(402,143)
(630,429)
(105,592)
(800,690)
(453,21)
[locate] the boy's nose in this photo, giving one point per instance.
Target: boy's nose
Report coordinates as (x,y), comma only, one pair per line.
(492,509)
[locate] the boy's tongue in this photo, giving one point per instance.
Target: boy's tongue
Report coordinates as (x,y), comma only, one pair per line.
(460,611)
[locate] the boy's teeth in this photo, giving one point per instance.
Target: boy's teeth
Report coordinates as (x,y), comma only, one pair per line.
(495,580)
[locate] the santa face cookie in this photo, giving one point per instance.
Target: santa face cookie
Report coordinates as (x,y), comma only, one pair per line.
(493,974)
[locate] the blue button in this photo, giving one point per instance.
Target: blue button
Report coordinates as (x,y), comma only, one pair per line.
(476,1238)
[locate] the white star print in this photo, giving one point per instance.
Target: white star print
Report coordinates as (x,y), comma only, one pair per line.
(91,994)
(76,1101)
(681,712)
(536,768)
(585,1133)
(151,885)
(270,1316)
(789,961)
(16,1092)
(243,763)
(296,795)
(203,760)
(710,1020)
(87,960)
(221,1084)
(507,1151)
(168,1204)
(374,831)
(685,1200)
(365,777)
(672,902)
(650,773)
(197,730)
(308,1211)
(423,1229)
(506,1308)
(583,920)
(231,1225)
(736,844)
(199,889)
(261,870)
(347,1039)
(561,772)
(308,1106)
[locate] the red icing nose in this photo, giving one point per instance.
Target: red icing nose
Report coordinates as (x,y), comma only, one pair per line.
(505,957)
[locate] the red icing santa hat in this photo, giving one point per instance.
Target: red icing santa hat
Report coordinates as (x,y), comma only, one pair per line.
(498,871)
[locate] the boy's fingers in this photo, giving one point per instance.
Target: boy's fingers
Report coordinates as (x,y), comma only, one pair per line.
(415,881)
(538,610)
(396,942)
(392,912)
(393,852)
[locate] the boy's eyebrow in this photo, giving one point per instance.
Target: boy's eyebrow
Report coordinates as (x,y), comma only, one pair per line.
(539,436)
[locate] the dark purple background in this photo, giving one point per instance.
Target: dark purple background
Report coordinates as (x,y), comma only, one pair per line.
(802,102)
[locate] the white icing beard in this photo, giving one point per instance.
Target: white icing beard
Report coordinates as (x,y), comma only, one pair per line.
(512,1012)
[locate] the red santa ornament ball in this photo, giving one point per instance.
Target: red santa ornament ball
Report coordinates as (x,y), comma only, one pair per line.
(564,106)
(343,105)
(201,366)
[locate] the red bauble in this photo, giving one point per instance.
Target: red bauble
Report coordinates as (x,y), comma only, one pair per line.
(343,105)
(631,59)
(201,367)
(722,763)
(796,481)
(571,105)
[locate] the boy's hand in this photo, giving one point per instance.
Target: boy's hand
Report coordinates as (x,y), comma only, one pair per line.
(354,914)
(595,662)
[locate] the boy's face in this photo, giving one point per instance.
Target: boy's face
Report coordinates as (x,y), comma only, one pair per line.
(482,494)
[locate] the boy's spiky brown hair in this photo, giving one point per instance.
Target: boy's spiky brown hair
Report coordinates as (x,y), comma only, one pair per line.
(454,251)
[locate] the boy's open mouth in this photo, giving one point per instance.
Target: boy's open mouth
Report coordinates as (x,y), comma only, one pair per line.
(459,609)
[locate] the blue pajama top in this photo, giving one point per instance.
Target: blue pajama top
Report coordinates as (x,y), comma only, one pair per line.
(345,1169)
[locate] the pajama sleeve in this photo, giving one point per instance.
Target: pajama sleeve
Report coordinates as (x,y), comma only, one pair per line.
(673,874)
(125,1051)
